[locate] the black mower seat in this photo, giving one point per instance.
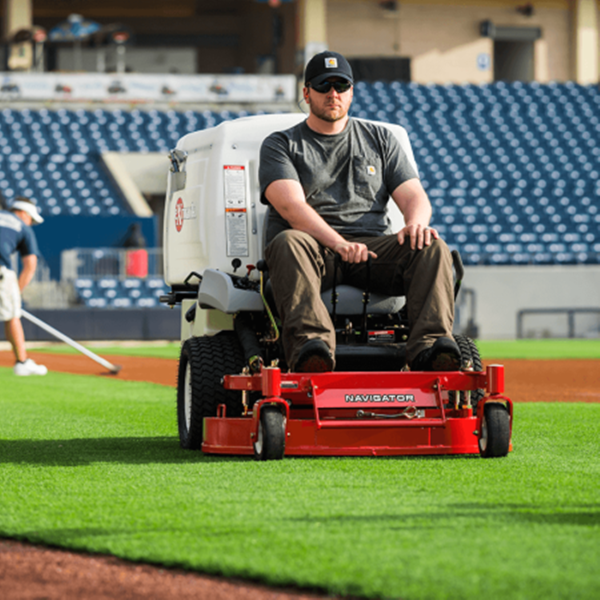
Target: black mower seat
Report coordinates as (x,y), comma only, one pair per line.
(350,302)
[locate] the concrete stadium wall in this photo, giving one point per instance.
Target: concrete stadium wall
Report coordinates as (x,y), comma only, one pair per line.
(84,324)
(502,291)
(442,37)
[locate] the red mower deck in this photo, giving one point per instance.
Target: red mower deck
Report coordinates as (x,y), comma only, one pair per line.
(362,413)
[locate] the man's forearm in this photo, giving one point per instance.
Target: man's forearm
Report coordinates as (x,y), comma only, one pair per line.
(418,213)
(304,218)
(413,203)
(24,278)
(28,271)
(287,198)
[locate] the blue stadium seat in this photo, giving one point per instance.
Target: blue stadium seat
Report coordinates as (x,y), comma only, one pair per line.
(97,302)
(147,302)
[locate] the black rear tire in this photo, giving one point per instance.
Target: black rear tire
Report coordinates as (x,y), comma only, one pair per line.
(494,438)
(203,362)
(270,444)
(469,357)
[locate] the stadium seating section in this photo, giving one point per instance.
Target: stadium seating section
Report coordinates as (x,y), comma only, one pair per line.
(54,156)
(512,170)
(110,292)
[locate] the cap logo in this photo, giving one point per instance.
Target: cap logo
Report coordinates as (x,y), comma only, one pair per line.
(331,63)
(371,170)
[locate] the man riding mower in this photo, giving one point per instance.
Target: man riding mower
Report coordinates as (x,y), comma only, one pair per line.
(298,336)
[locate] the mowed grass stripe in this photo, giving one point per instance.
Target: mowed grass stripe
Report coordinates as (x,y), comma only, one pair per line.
(167,350)
(540,349)
(94,465)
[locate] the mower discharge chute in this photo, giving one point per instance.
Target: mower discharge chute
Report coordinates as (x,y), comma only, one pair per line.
(235,394)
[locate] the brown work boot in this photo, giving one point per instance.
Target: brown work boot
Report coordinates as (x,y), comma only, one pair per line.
(444,355)
(314,357)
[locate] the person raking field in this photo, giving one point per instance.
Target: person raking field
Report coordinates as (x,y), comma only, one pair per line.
(16,235)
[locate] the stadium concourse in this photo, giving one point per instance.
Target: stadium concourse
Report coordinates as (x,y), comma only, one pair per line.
(512,169)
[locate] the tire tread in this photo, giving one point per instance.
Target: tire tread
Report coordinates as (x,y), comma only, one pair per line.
(273,434)
(210,358)
(469,353)
(498,430)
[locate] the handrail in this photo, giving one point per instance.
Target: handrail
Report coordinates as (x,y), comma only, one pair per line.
(570,312)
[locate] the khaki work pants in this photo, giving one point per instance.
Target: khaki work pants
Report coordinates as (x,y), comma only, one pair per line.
(300,269)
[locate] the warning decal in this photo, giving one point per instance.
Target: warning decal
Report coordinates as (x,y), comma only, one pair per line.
(235,186)
(236,211)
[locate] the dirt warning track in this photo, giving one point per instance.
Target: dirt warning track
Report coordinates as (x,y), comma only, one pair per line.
(134,368)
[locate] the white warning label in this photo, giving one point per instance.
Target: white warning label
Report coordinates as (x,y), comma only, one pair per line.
(236,214)
(236,223)
(234,177)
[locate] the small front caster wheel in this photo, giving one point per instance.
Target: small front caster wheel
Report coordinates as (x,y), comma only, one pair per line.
(270,444)
(494,440)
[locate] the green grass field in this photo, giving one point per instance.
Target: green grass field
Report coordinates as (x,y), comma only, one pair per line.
(94,464)
(166,350)
(542,349)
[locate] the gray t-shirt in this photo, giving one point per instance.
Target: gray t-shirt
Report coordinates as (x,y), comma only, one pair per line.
(347,178)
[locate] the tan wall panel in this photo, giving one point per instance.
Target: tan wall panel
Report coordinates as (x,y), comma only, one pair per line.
(443,38)
(357,28)
(455,65)
(585,41)
(541,65)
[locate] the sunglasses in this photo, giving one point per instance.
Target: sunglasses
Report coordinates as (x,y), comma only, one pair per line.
(339,86)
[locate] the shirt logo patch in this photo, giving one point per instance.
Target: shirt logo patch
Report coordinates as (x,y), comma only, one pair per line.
(331,63)
(371,170)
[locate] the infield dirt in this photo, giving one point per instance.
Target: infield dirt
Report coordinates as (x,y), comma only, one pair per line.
(526,380)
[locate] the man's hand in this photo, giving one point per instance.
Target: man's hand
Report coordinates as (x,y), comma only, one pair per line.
(419,235)
(353,252)
(411,199)
(287,197)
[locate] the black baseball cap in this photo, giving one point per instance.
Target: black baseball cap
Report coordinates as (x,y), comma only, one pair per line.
(327,64)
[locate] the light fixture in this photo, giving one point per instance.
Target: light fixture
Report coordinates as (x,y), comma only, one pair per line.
(527,10)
